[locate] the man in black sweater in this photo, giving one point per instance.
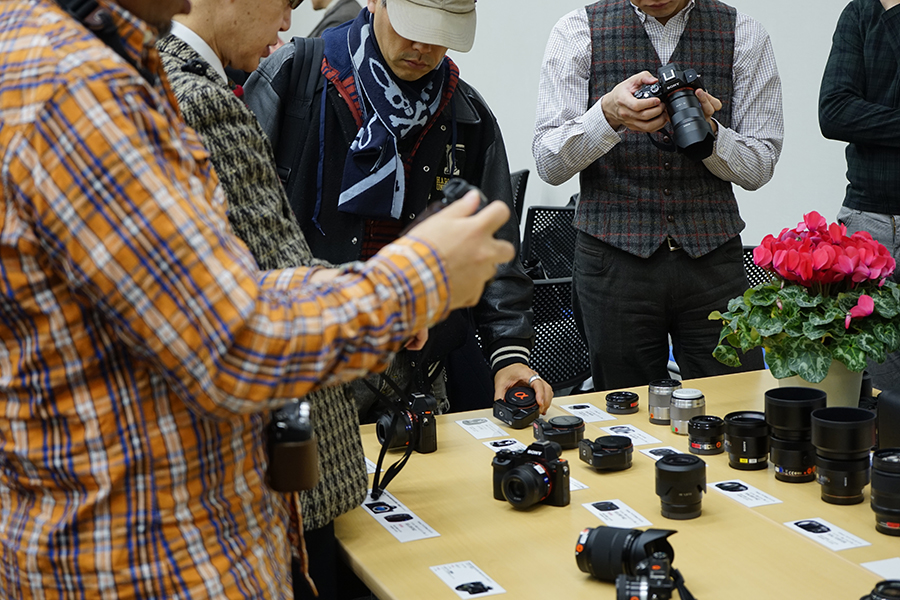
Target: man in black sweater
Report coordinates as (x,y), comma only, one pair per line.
(859,103)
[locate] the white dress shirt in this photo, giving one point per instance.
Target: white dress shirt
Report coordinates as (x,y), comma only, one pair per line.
(569,135)
(187,35)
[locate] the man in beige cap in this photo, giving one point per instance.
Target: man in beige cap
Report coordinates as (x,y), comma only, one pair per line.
(389,125)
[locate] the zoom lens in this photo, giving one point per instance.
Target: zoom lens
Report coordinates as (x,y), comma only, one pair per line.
(621,403)
(886,491)
(747,440)
(526,485)
(843,437)
(885,590)
(692,132)
(706,435)
(606,552)
(660,399)
(788,411)
(680,483)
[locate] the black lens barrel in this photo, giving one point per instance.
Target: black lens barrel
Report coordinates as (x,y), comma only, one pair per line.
(747,440)
(621,403)
(843,437)
(788,413)
(606,552)
(886,491)
(680,483)
(706,435)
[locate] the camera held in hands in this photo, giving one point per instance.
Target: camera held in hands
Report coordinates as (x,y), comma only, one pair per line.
(414,424)
(691,131)
(519,408)
(293,454)
(535,474)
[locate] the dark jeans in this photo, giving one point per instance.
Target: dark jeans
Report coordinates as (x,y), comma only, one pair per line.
(627,307)
(334,580)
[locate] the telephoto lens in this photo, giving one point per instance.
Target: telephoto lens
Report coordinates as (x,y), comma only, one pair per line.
(660,399)
(686,404)
(621,403)
(843,437)
(680,483)
(888,589)
(788,412)
(706,435)
(747,440)
(886,491)
(607,552)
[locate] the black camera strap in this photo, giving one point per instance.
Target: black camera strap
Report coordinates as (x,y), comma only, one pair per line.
(670,147)
(379,484)
(683,592)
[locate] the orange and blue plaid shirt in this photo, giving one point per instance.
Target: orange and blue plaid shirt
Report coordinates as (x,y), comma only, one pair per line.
(139,344)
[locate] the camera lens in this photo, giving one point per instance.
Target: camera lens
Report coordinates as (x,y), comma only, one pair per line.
(606,552)
(692,132)
(680,483)
(660,399)
(621,403)
(401,431)
(788,411)
(566,431)
(686,404)
(842,437)
(747,440)
(526,485)
(706,435)
(884,590)
(886,491)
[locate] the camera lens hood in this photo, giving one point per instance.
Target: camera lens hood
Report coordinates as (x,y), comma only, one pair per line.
(680,483)
(843,432)
(606,552)
(788,411)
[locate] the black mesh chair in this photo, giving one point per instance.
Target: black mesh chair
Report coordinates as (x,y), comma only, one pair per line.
(755,274)
(519,180)
(559,353)
(550,238)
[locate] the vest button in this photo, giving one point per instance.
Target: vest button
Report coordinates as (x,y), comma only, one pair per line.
(353,241)
(412,216)
(426,168)
(667,192)
(667,139)
(667,166)
(443,128)
(670,218)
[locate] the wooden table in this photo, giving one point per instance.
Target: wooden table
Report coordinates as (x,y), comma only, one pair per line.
(730,551)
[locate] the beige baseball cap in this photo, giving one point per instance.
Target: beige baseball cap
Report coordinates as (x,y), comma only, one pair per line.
(449,23)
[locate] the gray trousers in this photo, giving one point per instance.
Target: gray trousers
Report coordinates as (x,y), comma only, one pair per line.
(885,229)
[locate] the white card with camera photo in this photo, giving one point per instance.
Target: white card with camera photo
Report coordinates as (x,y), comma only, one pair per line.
(393,515)
(616,513)
(511,444)
(481,428)
(588,412)
(830,536)
(575,485)
(638,437)
(658,453)
(744,493)
(886,569)
(370,466)
(467,580)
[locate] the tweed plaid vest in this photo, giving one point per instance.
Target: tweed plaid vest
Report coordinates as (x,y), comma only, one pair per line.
(636,195)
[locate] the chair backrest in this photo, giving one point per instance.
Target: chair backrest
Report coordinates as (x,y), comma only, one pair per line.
(559,354)
(519,181)
(550,238)
(755,274)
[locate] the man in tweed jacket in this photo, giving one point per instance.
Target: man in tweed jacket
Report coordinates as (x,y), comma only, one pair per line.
(658,234)
(260,215)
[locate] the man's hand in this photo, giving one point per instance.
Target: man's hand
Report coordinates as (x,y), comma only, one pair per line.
(417,341)
(623,109)
(466,244)
(711,104)
(520,374)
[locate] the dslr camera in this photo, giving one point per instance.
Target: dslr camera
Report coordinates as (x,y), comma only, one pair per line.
(413,424)
(691,131)
(651,580)
(293,454)
(519,408)
(535,474)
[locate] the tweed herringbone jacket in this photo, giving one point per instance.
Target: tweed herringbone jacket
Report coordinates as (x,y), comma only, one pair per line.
(260,215)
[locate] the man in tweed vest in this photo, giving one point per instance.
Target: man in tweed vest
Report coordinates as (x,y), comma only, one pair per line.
(658,234)
(859,103)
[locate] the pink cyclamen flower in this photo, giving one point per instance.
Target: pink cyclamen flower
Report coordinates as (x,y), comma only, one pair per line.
(865,306)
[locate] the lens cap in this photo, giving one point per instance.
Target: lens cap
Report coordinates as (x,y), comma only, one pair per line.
(521,396)
(566,422)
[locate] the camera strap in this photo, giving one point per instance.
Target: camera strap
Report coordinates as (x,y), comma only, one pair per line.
(379,484)
(683,592)
(670,147)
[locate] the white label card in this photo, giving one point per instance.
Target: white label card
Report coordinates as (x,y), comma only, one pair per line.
(830,536)
(744,493)
(658,453)
(467,580)
(575,485)
(638,437)
(616,513)
(370,466)
(397,519)
(511,444)
(481,428)
(588,412)
(888,568)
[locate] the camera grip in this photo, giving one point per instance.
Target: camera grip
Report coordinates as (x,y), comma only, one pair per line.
(294,466)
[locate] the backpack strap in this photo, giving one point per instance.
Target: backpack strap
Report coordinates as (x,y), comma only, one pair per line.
(306,76)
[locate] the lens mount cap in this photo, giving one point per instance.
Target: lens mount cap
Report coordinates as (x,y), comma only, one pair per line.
(521,396)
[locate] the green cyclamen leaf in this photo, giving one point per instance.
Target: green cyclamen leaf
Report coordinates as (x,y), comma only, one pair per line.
(727,356)
(809,359)
(886,305)
(889,333)
(873,348)
(812,332)
(737,305)
(764,297)
(764,321)
(778,364)
(846,352)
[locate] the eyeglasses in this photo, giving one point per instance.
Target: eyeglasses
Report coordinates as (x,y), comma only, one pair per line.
(295,3)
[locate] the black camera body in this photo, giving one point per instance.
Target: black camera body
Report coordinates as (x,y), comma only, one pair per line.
(415,425)
(519,408)
(292,449)
(607,453)
(535,474)
(691,132)
(566,431)
(652,579)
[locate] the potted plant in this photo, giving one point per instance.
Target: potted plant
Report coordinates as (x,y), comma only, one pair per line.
(828,300)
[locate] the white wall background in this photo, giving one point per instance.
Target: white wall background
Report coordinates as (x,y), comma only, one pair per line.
(504,65)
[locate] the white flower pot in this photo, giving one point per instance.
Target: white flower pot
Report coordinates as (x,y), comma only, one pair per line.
(841,384)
